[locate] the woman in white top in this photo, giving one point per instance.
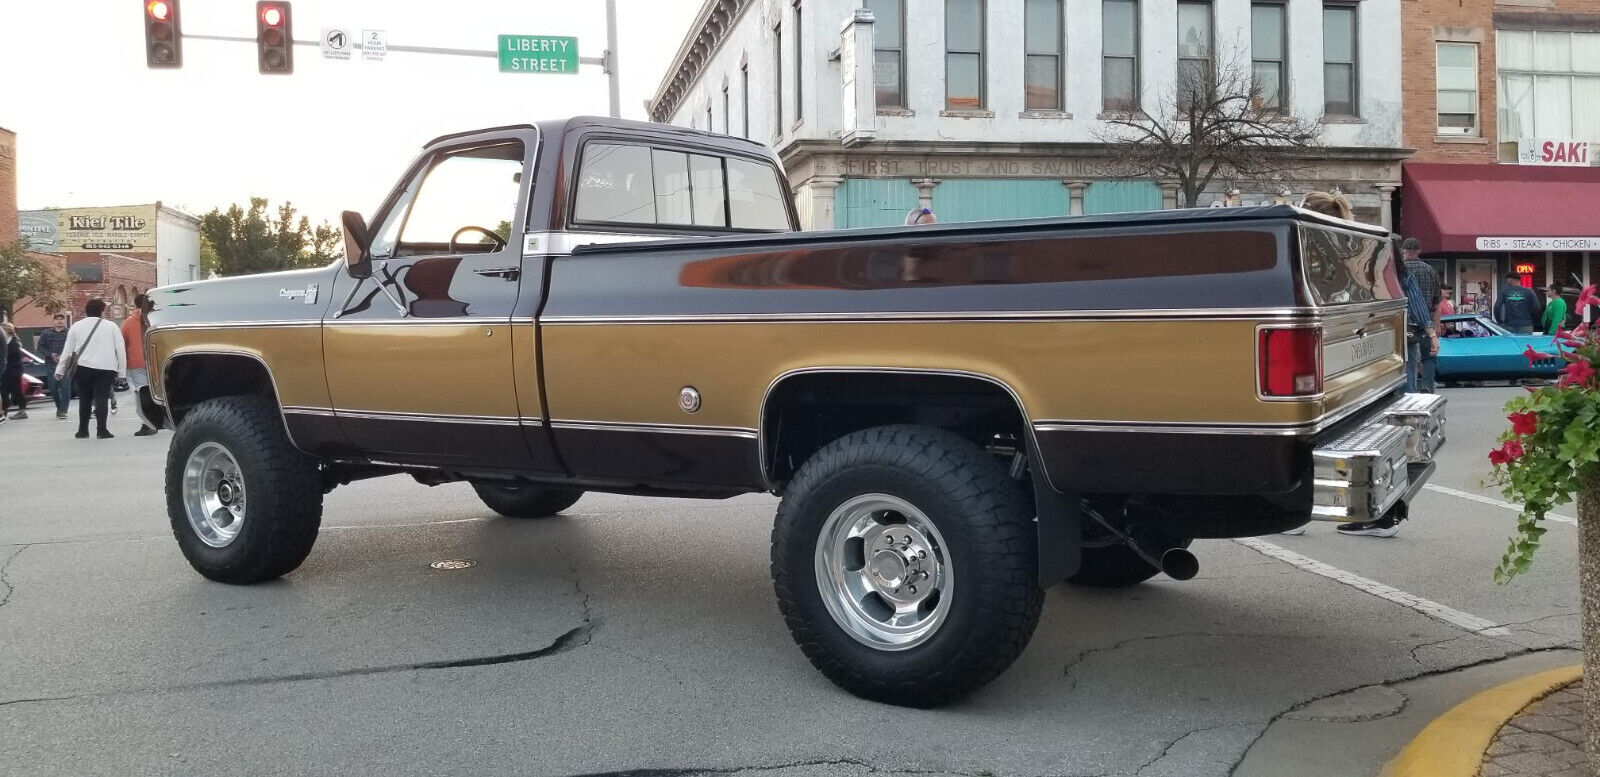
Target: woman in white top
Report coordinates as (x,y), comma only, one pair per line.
(101,358)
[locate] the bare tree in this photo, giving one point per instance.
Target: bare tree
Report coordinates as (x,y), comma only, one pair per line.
(1221,123)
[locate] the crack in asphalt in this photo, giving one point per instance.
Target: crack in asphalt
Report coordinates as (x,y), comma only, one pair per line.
(1386,683)
(1174,743)
(690,771)
(6,581)
(1067,670)
(573,639)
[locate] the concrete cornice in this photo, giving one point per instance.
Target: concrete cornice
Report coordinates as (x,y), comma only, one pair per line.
(711,26)
(797,149)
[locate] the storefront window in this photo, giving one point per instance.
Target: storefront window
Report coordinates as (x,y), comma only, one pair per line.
(1549,87)
(1476,285)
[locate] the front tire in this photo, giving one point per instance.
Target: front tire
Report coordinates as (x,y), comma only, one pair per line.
(244,503)
(526,501)
(904,560)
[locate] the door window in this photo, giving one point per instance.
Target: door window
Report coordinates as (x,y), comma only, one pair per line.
(464,198)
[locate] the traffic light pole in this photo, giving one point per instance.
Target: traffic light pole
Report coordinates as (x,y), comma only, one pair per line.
(607,61)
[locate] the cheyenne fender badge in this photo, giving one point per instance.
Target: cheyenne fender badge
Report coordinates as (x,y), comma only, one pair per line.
(688,399)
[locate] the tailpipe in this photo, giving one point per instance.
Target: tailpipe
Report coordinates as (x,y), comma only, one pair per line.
(1179,564)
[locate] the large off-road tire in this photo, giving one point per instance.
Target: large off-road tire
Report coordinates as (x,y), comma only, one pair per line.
(1116,566)
(525,501)
(905,565)
(245,505)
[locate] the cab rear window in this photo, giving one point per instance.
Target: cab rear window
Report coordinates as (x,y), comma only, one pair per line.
(638,185)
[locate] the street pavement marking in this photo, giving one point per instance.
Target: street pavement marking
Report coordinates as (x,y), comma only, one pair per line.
(1429,608)
(1489,500)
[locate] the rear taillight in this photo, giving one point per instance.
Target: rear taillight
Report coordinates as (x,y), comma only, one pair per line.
(1289,361)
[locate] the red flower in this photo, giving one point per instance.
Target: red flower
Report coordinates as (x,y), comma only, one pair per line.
(1534,357)
(1587,297)
(1577,373)
(1524,423)
(1507,453)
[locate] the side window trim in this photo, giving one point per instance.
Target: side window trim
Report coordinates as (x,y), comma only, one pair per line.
(573,220)
(405,196)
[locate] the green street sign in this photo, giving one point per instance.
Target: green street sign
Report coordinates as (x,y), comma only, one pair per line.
(538,54)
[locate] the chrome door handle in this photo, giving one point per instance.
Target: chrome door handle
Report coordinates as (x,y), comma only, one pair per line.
(508,273)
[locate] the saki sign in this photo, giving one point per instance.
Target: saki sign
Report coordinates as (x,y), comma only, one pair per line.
(1539,151)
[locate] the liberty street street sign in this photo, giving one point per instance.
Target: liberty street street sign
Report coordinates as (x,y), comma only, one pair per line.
(538,54)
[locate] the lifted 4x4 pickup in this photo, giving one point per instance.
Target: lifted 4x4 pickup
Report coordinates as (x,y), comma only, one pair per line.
(956,416)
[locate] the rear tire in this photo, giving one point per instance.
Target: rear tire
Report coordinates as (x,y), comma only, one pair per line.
(525,501)
(244,503)
(878,509)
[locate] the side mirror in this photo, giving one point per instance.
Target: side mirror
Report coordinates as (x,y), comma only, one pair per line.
(356,259)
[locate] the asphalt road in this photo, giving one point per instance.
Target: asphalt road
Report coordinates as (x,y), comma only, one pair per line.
(640,636)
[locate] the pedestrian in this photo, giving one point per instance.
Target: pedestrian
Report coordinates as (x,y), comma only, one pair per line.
(1518,308)
(133,330)
(1423,366)
(95,356)
(921,215)
(49,347)
(4,359)
(1447,305)
(11,374)
(1555,310)
(1335,205)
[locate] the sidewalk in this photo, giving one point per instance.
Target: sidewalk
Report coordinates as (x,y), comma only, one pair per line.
(1544,740)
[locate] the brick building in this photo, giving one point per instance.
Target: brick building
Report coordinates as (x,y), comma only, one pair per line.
(1502,104)
(8,186)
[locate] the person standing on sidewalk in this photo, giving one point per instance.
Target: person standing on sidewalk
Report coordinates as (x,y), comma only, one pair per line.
(1555,310)
(50,344)
(133,330)
(1423,365)
(100,359)
(1518,309)
(11,374)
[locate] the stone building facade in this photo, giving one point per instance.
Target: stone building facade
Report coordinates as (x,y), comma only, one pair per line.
(997,109)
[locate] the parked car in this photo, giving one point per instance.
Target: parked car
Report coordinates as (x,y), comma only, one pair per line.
(34,366)
(1472,347)
(32,388)
(944,410)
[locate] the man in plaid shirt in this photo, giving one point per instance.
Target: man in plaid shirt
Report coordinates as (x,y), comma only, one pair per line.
(1422,319)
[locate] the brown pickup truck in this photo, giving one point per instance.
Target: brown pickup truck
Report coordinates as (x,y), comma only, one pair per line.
(955,416)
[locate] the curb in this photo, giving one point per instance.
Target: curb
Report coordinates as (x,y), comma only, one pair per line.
(1454,743)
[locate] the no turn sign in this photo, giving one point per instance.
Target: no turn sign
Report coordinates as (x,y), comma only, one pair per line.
(336,44)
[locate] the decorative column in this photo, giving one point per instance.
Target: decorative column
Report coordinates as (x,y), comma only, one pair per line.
(1075,190)
(1169,195)
(925,191)
(1386,205)
(858,98)
(823,190)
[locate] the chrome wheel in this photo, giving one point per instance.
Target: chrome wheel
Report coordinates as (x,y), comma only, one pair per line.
(884,572)
(213,494)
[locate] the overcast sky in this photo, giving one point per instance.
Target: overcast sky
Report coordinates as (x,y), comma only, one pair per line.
(95,126)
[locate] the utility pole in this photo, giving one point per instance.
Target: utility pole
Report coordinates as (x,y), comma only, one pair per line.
(611,57)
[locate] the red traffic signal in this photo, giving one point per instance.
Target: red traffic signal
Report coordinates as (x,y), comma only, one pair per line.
(274,37)
(163,38)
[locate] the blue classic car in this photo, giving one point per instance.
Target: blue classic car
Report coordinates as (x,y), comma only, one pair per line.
(1471,347)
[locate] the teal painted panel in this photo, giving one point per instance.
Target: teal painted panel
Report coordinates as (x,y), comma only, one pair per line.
(981,199)
(872,202)
(1121,196)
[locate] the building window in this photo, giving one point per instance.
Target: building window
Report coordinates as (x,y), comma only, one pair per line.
(1042,66)
(727,112)
(777,80)
(1549,87)
(888,52)
(1194,52)
(1119,35)
(1457,83)
(710,127)
(744,98)
(1339,61)
(1268,31)
(963,55)
(799,64)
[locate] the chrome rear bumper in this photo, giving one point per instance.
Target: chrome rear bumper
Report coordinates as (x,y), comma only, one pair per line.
(1365,472)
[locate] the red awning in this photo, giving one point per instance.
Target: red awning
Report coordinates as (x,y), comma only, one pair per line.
(1448,207)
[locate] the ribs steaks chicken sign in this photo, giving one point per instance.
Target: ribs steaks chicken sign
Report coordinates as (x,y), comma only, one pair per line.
(1543,151)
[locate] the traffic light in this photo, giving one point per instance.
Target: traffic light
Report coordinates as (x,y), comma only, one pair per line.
(163,37)
(274,37)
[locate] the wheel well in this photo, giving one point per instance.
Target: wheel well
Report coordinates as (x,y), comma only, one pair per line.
(194,378)
(804,412)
